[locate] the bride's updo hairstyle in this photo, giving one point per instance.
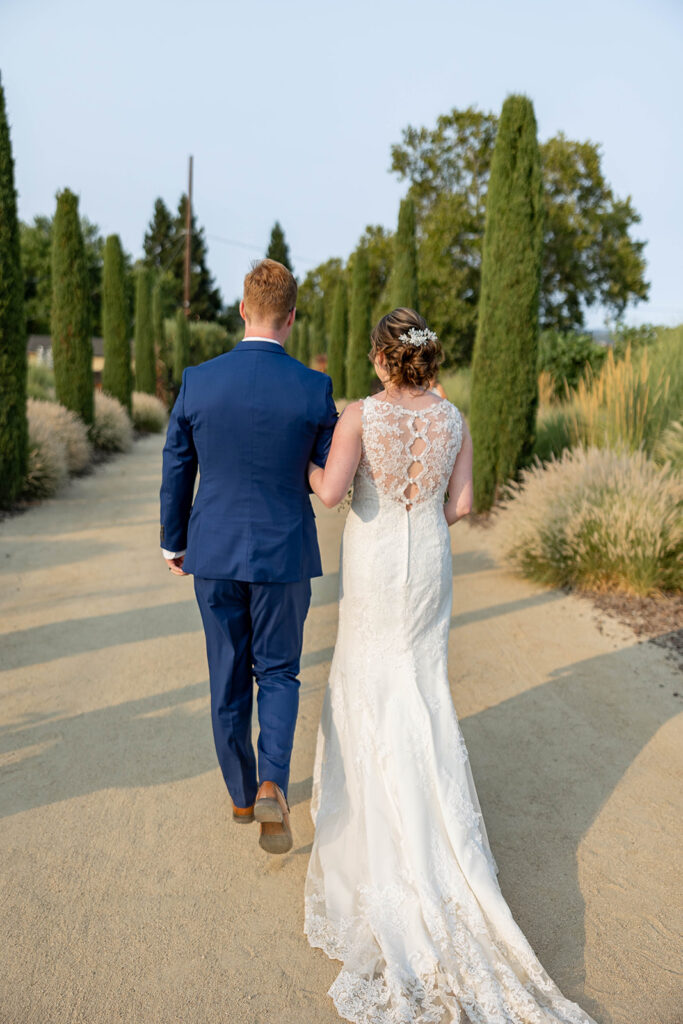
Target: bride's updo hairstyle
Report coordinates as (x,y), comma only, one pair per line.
(408,365)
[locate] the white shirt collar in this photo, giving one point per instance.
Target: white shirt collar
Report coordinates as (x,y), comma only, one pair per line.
(254,337)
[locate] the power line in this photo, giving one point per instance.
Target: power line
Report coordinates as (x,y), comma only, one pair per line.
(256,248)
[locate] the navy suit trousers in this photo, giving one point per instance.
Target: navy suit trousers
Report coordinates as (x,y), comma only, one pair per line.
(253,631)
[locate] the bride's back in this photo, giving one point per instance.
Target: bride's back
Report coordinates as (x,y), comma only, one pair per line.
(407,454)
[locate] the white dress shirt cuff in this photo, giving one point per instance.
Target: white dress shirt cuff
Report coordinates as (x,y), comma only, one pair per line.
(172,554)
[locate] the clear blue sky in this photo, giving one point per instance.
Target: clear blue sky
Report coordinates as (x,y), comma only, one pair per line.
(290,110)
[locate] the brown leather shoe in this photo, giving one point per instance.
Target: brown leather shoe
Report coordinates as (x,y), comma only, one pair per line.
(243,815)
(272,811)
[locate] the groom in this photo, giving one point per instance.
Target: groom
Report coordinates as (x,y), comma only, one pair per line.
(250,420)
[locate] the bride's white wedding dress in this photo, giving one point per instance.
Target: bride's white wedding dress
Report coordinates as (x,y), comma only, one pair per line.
(401,883)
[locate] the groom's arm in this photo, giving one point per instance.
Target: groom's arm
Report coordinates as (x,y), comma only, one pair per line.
(328,421)
(179,471)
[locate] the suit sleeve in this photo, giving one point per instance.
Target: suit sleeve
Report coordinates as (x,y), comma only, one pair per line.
(328,421)
(179,471)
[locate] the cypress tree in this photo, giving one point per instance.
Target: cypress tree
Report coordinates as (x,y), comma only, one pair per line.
(145,359)
(181,346)
(504,382)
(304,354)
(338,336)
(70,311)
(404,274)
(358,368)
(278,248)
(117,376)
(13,363)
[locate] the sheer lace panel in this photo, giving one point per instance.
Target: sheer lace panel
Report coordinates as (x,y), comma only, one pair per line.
(409,453)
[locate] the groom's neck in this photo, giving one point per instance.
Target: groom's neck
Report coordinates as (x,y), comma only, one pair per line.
(257,330)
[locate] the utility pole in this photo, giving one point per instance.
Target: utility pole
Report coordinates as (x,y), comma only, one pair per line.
(188,243)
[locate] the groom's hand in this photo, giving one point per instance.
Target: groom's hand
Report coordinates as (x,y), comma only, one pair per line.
(176,565)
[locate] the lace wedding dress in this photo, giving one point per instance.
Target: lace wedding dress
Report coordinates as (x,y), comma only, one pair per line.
(401,883)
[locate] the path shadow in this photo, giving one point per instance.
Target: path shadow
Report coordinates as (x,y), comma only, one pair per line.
(38,644)
(141,742)
(541,788)
(48,554)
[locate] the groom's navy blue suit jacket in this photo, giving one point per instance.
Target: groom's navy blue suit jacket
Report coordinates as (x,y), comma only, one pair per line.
(250,420)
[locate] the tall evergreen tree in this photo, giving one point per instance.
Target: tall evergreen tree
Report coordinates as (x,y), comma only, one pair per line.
(304,354)
(160,237)
(338,335)
(358,370)
(165,250)
(145,358)
(181,346)
(70,312)
(13,366)
(403,287)
(504,381)
(117,375)
(278,248)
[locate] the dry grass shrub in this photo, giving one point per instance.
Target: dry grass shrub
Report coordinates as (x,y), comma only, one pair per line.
(71,430)
(669,446)
(595,519)
(149,413)
(112,430)
(47,459)
(622,407)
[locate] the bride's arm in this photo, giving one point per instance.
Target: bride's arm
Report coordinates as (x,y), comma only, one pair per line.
(333,482)
(459,502)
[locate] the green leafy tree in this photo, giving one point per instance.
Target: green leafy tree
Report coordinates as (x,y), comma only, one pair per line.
(13,366)
(117,375)
(70,311)
(36,255)
(504,395)
(589,256)
(358,371)
(336,364)
(378,244)
(145,358)
(181,347)
(403,284)
(278,248)
(317,287)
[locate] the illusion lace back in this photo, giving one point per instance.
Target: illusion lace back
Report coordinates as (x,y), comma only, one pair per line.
(402,885)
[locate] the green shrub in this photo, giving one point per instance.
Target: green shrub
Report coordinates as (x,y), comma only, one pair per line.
(595,519)
(41,382)
(149,413)
(112,430)
(47,457)
(69,428)
(553,432)
(565,356)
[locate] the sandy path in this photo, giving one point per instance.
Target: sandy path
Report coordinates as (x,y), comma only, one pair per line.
(126,892)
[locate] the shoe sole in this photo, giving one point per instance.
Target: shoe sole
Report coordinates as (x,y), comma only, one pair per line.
(242,819)
(267,809)
(279,842)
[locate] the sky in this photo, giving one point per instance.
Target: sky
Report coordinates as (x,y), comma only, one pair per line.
(290,111)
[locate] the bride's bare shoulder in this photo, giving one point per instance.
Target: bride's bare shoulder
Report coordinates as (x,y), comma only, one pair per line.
(351,417)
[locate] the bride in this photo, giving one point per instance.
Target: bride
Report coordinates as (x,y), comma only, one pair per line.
(401,884)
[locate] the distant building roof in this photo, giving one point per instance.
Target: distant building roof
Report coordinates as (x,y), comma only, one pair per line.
(38,341)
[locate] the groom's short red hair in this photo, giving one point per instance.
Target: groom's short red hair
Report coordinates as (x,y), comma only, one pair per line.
(270,291)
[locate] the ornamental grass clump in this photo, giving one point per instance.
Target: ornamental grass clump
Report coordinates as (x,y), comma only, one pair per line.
(69,428)
(149,413)
(47,469)
(595,519)
(112,430)
(624,406)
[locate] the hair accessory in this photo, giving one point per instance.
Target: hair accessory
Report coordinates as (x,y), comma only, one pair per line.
(418,338)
